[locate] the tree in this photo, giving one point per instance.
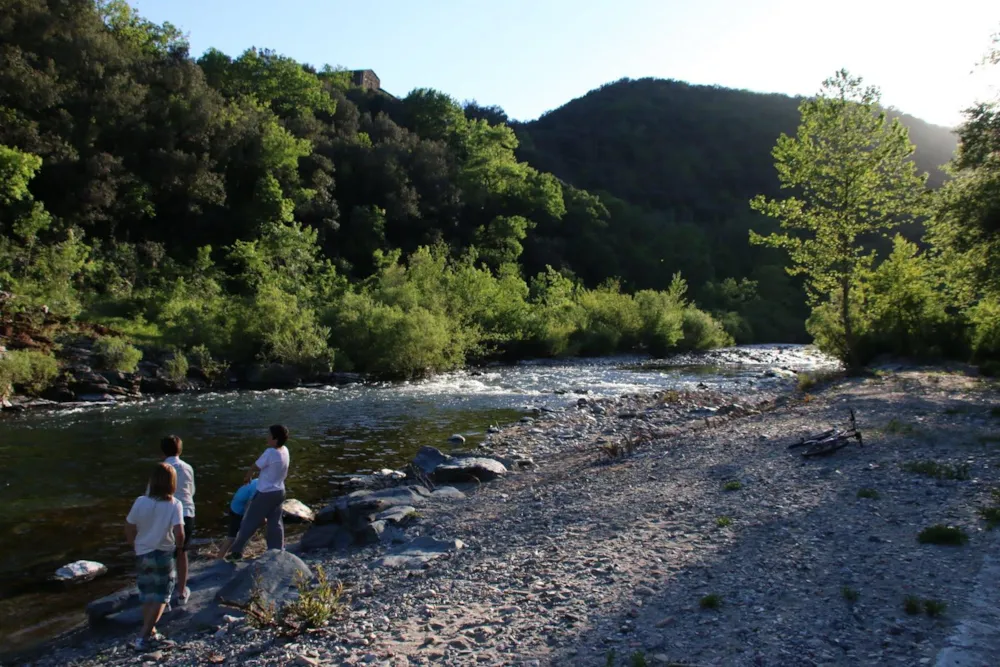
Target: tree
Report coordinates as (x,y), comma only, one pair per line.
(853,177)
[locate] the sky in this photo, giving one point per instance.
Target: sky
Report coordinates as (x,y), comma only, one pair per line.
(532,56)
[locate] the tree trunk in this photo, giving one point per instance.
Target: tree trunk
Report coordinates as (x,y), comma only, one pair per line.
(845,314)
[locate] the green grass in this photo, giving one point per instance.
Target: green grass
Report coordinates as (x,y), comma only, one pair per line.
(868,493)
(897,427)
(849,594)
(638,659)
(912,605)
(943,535)
(710,601)
(732,485)
(934,608)
(937,470)
(991,515)
(723,521)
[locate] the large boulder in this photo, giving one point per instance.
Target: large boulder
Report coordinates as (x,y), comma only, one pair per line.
(328,536)
(80,571)
(417,553)
(274,576)
(468,469)
(359,507)
(113,603)
(295,511)
(429,458)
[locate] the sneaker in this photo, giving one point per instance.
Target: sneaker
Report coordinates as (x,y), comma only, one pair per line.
(141,644)
(183,597)
(234,558)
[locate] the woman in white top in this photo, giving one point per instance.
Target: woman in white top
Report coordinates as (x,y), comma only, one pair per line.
(266,502)
(154,527)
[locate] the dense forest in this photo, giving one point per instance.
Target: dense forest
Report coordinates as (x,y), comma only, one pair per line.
(235,209)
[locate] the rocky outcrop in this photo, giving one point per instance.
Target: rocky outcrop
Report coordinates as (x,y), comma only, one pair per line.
(468,469)
(80,571)
(295,511)
(273,576)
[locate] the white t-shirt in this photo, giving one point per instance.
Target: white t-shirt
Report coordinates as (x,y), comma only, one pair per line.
(155,520)
(185,483)
(273,464)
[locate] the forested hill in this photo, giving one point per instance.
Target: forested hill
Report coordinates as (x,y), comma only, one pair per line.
(700,151)
(677,164)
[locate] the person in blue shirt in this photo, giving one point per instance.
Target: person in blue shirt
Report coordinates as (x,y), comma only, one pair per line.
(237,508)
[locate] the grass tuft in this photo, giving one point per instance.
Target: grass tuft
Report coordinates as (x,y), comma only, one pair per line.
(732,485)
(934,608)
(711,601)
(868,493)
(937,470)
(897,427)
(943,535)
(912,605)
(723,521)
(849,594)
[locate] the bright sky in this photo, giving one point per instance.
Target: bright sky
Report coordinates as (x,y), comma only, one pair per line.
(531,56)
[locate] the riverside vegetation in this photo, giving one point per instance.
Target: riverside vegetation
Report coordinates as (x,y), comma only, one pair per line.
(223,211)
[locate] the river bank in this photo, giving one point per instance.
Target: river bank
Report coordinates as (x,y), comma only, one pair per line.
(582,555)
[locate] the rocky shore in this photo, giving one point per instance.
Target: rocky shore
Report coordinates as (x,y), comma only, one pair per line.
(671,528)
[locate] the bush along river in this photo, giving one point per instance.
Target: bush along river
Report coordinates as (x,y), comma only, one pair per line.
(70,476)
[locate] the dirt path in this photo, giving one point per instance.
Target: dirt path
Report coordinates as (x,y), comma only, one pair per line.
(587,563)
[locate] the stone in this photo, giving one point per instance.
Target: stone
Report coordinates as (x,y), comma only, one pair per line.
(447,493)
(295,511)
(357,508)
(379,531)
(329,536)
(273,375)
(80,571)
(469,469)
(274,575)
(417,553)
(113,603)
(457,439)
(400,514)
(429,458)
(493,430)
(96,398)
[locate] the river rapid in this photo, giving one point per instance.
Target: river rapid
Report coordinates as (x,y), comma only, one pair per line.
(69,477)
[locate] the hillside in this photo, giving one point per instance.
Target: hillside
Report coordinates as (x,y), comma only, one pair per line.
(677,165)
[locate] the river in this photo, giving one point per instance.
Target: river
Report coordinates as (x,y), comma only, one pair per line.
(68,478)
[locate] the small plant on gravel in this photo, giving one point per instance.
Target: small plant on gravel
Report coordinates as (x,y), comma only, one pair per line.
(723,521)
(943,535)
(912,605)
(938,470)
(732,485)
(991,515)
(316,605)
(849,594)
(807,381)
(711,601)
(871,494)
(995,412)
(934,608)
(897,427)
(638,659)
(260,613)
(619,449)
(609,658)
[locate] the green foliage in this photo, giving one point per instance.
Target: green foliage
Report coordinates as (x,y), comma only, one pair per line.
(935,608)
(732,485)
(849,594)
(723,521)
(176,366)
(30,371)
(871,494)
(937,470)
(852,166)
(943,535)
(116,354)
(912,605)
(710,601)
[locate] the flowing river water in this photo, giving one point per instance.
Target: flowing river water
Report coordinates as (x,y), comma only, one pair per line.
(68,478)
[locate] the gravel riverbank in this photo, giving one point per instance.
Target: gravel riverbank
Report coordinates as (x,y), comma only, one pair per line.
(585,556)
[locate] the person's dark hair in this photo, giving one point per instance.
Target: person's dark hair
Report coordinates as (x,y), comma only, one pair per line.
(171,445)
(279,433)
(162,482)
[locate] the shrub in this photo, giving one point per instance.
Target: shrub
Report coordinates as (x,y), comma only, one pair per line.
(116,354)
(214,371)
(871,494)
(176,366)
(934,608)
(912,605)
(30,370)
(701,332)
(943,535)
(711,601)
(723,521)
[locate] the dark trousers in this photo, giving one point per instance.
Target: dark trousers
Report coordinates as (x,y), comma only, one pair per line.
(262,506)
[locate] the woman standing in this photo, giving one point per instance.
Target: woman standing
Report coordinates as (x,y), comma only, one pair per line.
(154,527)
(266,503)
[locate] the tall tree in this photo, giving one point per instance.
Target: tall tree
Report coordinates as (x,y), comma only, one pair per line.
(852,175)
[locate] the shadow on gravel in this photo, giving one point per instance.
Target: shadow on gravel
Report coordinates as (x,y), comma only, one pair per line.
(801,547)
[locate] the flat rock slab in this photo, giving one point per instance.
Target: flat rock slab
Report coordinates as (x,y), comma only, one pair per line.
(469,469)
(80,571)
(296,511)
(274,574)
(327,536)
(447,493)
(418,553)
(355,508)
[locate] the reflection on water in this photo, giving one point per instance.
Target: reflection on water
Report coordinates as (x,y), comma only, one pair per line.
(70,477)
